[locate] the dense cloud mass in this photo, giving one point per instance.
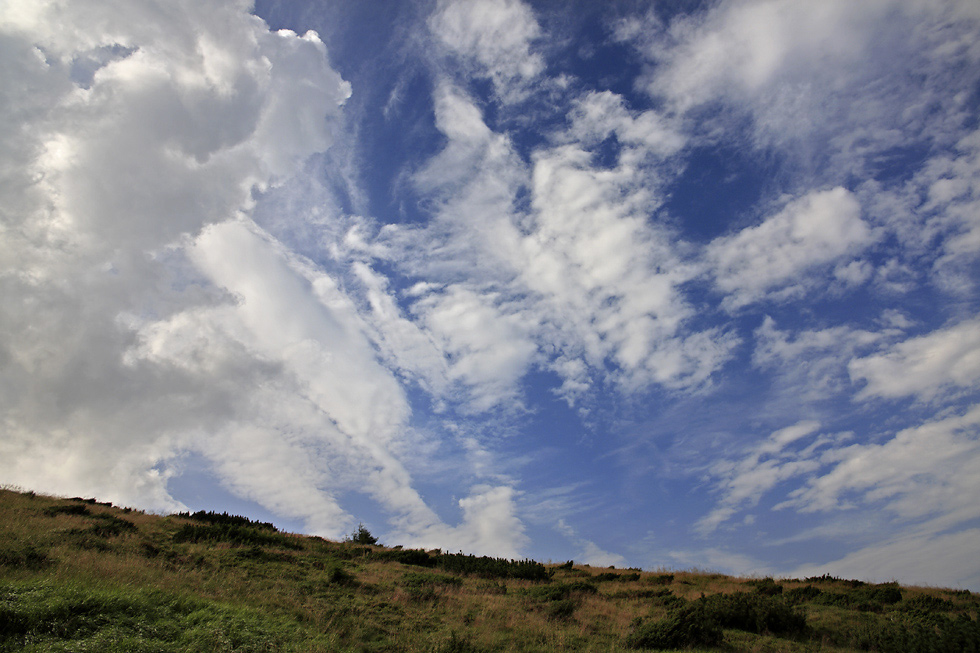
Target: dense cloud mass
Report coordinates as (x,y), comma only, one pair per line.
(629,285)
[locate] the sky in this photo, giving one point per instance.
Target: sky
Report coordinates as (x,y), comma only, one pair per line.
(665,285)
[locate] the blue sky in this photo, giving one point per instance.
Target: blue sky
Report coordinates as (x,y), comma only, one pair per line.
(679,284)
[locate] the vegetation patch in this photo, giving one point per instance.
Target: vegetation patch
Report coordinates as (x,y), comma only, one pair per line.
(487,567)
(686,625)
(49,617)
(754,613)
(233,534)
(75,576)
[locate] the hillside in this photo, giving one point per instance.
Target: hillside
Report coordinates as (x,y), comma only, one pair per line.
(78,575)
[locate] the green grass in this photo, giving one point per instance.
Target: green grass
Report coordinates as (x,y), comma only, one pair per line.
(79,575)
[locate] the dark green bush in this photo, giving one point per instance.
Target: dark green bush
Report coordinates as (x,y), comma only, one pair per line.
(560,591)
(209,517)
(611,576)
(414,579)
(662,579)
(754,613)
(886,594)
(561,610)
(71,509)
(459,644)
(802,594)
(486,567)
(233,534)
(111,526)
(23,556)
(926,603)
(415,557)
(687,625)
(915,633)
(767,587)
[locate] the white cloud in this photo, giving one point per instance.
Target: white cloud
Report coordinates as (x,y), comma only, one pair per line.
(590,553)
(743,482)
(923,472)
(812,74)
(816,229)
(598,115)
(812,364)
(496,36)
(181,112)
(948,560)
(583,275)
(927,366)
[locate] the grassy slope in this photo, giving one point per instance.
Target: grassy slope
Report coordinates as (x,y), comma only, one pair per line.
(77,576)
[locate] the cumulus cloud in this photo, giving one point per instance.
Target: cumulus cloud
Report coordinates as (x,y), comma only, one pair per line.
(770,258)
(180,111)
(182,327)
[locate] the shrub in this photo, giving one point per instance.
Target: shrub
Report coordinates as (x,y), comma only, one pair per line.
(754,613)
(415,557)
(209,517)
(232,534)
(487,567)
(802,594)
(561,610)
(459,644)
(926,603)
(560,591)
(415,579)
(71,509)
(24,556)
(886,594)
(767,587)
(662,579)
(111,526)
(611,576)
(687,625)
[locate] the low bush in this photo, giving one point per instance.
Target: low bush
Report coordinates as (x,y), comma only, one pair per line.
(802,594)
(766,587)
(232,534)
(70,509)
(926,603)
(486,567)
(661,579)
(415,557)
(23,556)
(687,625)
(754,613)
(611,576)
(560,591)
(209,517)
(914,633)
